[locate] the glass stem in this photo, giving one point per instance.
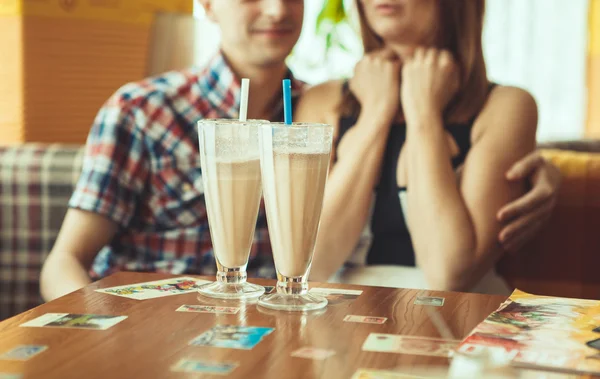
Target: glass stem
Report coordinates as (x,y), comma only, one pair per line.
(292,286)
(231,275)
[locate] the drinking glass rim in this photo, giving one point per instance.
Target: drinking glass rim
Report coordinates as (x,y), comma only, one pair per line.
(297,125)
(231,121)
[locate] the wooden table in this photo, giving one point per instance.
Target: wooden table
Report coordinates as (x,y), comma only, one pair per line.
(154,336)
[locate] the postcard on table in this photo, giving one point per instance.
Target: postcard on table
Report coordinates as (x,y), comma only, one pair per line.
(540,332)
(335,291)
(364,373)
(23,352)
(313,353)
(157,288)
(196,366)
(5,375)
(208,309)
(232,337)
(336,295)
(412,345)
(76,321)
(430,300)
(365,319)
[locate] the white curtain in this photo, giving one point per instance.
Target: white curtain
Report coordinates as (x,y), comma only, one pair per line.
(538,45)
(309,60)
(207,36)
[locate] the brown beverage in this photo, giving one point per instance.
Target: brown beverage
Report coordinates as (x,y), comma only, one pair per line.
(294,199)
(232,201)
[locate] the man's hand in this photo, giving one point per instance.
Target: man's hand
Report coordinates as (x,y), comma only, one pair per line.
(525,216)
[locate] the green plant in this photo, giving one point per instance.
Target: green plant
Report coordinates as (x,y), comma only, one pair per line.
(331,16)
(333,11)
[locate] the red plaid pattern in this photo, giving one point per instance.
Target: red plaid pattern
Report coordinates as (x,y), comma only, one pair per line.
(142,170)
(36,182)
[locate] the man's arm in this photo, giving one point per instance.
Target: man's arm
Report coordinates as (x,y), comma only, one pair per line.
(80,238)
(114,175)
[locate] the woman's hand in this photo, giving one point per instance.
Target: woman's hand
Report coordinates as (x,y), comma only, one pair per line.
(376,84)
(429,81)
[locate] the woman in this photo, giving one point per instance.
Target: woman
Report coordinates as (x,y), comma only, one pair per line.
(423,140)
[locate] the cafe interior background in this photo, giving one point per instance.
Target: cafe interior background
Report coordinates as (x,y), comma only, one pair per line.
(61,59)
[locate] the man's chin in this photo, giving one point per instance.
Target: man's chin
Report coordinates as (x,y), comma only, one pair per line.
(272,57)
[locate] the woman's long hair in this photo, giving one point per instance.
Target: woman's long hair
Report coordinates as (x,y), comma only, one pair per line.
(460,32)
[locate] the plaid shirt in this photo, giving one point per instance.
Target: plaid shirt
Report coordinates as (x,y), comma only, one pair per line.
(142,170)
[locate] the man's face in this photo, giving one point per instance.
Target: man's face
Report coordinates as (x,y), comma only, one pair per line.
(259,32)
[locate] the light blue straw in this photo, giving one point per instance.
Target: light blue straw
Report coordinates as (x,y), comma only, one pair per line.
(287,102)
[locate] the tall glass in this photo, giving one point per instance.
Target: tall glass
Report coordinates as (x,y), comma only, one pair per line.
(294,163)
(229,157)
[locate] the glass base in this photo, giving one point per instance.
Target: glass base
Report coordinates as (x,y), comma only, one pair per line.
(292,302)
(214,302)
(238,291)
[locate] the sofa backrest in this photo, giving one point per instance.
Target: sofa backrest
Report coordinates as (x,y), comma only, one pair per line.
(36,182)
(564,259)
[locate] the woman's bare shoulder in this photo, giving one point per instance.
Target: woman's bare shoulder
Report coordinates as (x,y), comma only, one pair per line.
(320,102)
(511,107)
(511,94)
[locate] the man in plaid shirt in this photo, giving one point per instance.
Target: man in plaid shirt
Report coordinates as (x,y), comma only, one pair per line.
(139,206)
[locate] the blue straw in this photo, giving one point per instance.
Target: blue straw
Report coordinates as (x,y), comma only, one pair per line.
(287,102)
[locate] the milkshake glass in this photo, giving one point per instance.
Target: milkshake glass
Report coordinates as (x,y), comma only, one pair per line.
(294,163)
(229,158)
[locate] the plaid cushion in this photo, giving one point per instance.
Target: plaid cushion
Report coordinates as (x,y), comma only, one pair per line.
(36,182)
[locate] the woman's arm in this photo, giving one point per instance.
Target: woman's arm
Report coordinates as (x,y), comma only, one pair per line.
(348,194)
(454,228)
(349,189)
